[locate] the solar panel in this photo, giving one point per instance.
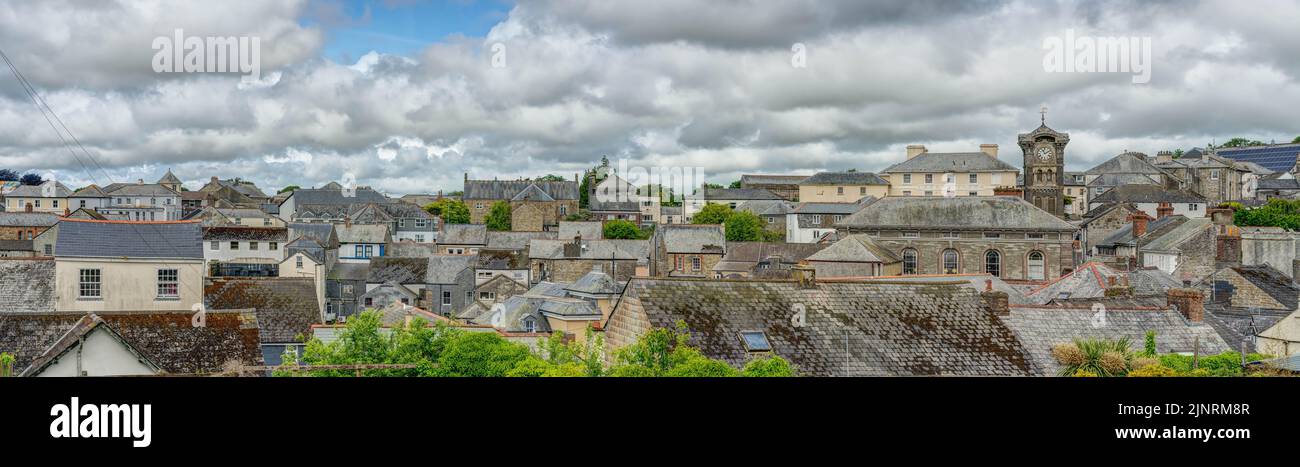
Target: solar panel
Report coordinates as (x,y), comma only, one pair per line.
(1276,158)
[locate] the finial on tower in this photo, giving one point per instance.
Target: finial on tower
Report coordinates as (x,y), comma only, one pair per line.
(1043,112)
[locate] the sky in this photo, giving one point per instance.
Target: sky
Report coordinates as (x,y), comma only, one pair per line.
(408,96)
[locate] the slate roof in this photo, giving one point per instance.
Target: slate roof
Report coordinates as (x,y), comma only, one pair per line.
(114,239)
(964,212)
(753,252)
(1092,279)
(169,177)
(532,193)
(859,248)
(267,234)
(1146,194)
(169,340)
(308,246)
(833,208)
(35,191)
(501,259)
(739,194)
(589,230)
(16,245)
(443,269)
(27,285)
(772,179)
(309,196)
(764,207)
(516,240)
(893,329)
(321,231)
(1279,184)
(1110,180)
(1128,162)
(508,189)
(139,189)
(1171,240)
(463,234)
(27,219)
(408,249)
(286,307)
(362,233)
(976,282)
(397,270)
(844,178)
(1271,281)
(693,238)
(1039,328)
(595,249)
(1124,235)
(596,283)
(91,191)
(349,272)
(951,162)
(1237,325)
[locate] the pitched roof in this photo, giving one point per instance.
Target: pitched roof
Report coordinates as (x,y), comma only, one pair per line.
(1128,162)
(739,194)
(978,212)
(169,178)
(323,232)
(772,179)
(893,329)
(1271,281)
(833,208)
(306,196)
(1110,180)
(27,219)
(463,234)
(397,270)
(27,285)
(1039,328)
(91,191)
(859,248)
(1124,234)
(596,283)
(951,162)
(139,189)
(589,230)
(682,238)
(114,239)
(1146,194)
(286,307)
(38,191)
(1171,240)
(362,233)
(753,252)
(844,178)
(169,340)
(444,269)
(1092,279)
(766,207)
(267,234)
(532,193)
(593,249)
(515,240)
(501,259)
(508,189)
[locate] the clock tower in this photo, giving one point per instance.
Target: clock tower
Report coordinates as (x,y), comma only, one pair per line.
(1044,171)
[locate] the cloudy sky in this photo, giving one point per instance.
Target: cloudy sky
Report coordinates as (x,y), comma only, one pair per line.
(407,95)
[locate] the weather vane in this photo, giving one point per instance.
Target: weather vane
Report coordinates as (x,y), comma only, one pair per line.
(1043,112)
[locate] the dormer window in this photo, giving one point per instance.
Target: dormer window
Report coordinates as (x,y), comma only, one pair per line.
(755,341)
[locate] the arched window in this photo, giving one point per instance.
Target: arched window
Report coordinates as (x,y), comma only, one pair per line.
(1036,266)
(950,261)
(909,261)
(993,263)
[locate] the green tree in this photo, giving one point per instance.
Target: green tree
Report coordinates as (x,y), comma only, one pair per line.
(6,364)
(666,352)
(768,367)
(451,211)
(8,175)
(557,357)
(288,189)
(1241,142)
(735,184)
(712,213)
(583,190)
(744,226)
(498,217)
(622,230)
(550,178)
(1276,213)
(712,186)
(363,341)
(480,354)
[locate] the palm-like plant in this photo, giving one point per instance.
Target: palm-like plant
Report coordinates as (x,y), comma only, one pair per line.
(1098,356)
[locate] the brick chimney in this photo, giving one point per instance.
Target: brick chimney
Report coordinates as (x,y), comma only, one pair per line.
(1164,210)
(914,150)
(1139,220)
(990,149)
(1189,302)
(997,302)
(574,249)
(805,276)
(1227,249)
(1164,156)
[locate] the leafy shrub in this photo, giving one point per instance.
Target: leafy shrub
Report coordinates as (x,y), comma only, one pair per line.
(1067,354)
(1153,371)
(1103,357)
(773,366)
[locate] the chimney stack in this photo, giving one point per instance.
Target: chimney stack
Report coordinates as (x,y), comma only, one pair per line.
(1189,303)
(990,149)
(997,302)
(1164,210)
(1139,220)
(805,275)
(1164,157)
(1295,269)
(914,150)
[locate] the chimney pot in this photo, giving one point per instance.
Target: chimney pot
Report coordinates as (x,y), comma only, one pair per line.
(1139,220)
(1164,210)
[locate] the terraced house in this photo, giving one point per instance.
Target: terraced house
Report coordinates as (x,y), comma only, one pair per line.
(842,187)
(1003,236)
(927,173)
(113,266)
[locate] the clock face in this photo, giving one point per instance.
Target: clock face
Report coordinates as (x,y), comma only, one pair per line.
(1044,154)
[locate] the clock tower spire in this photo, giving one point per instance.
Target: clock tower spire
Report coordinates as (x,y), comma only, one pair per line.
(1044,169)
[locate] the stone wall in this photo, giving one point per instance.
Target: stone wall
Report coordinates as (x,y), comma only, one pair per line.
(1057,253)
(1196,257)
(1273,249)
(569,270)
(626,324)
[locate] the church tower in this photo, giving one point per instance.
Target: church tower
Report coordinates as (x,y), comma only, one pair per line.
(1044,172)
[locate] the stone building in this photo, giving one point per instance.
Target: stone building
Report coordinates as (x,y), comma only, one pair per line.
(1217,179)
(855,256)
(1187,252)
(568,260)
(25,225)
(1044,175)
(686,250)
(1003,236)
(534,205)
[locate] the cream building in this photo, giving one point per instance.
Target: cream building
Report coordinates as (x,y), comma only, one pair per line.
(49,197)
(842,187)
(112,266)
(927,173)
